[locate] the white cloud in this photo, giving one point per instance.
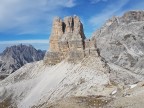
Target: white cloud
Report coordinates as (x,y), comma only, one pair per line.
(24,15)
(96,1)
(25,42)
(107,13)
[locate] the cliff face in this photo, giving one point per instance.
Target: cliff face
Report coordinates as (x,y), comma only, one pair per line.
(57,31)
(67,40)
(121,42)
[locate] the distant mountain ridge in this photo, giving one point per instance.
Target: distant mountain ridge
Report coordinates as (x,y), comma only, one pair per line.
(14,57)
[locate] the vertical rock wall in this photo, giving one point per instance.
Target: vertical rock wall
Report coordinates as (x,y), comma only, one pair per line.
(67,41)
(57,32)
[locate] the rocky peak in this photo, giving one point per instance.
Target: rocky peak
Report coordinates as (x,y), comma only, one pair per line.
(67,40)
(74,25)
(70,28)
(69,24)
(128,17)
(132,16)
(16,56)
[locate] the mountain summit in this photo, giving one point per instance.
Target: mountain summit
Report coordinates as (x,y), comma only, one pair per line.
(16,56)
(67,40)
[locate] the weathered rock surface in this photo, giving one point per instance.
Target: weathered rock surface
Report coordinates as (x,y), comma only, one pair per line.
(121,42)
(133,16)
(15,57)
(57,31)
(67,40)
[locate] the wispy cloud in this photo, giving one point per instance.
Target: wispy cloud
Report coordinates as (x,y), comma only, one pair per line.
(108,12)
(25,42)
(30,16)
(97,1)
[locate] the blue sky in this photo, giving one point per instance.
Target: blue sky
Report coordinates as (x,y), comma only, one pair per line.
(30,21)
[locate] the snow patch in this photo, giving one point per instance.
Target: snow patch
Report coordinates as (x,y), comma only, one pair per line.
(132,86)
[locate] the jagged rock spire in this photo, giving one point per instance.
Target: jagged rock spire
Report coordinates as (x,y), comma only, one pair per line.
(70,28)
(67,40)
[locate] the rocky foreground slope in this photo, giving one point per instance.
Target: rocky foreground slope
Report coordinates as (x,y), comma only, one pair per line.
(14,57)
(110,75)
